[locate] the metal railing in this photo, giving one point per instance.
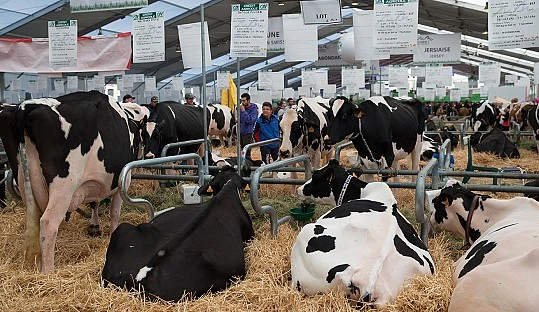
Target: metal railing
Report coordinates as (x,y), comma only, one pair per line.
(339,148)
(180,144)
(249,146)
(255,182)
(125,177)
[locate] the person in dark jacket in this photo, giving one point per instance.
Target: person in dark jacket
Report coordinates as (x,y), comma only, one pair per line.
(248,116)
(266,128)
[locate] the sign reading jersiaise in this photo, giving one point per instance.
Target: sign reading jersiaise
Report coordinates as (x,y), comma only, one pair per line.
(321,12)
(149,37)
(432,48)
(249,30)
(62,43)
(103,5)
(513,24)
(395,24)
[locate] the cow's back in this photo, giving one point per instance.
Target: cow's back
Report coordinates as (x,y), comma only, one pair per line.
(186,122)
(407,122)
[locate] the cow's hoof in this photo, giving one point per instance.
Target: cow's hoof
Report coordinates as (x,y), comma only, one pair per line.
(94,230)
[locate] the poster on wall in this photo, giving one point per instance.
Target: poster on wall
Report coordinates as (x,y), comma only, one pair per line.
(321,12)
(249,30)
(78,6)
(513,24)
(62,43)
(149,37)
(363,37)
(300,40)
(395,26)
(275,35)
(489,74)
(434,48)
(191,45)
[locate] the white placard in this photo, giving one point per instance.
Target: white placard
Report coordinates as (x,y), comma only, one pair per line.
(320,79)
(150,84)
(304,92)
(32,86)
(149,37)
(138,78)
(328,55)
(483,91)
(99,82)
(429,94)
(398,76)
(90,84)
(308,77)
(418,72)
(447,75)
(78,6)
(265,78)
(464,88)
(442,48)
(119,84)
(428,85)
(395,26)
(275,35)
(128,80)
(353,78)
(16,84)
(513,24)
(363,37)
(59,86)
(288,93)
(300,41)
(191,45)
(489,74)
(177,83)
(223,78)
(439,75)
(402,91)
(420,92)
(441,92)
(62,43)
(42,83)
(249,30)
(277,83)
(72,83)
(321,12)
(511,78)
(536,73)
(523,82)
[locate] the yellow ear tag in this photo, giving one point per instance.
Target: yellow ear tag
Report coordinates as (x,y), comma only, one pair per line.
(355,175)
(209,190)
(310,129)
(247,188)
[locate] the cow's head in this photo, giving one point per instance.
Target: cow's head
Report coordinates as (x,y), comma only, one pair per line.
(447,134)
(152,136)
(326,184)
(483,116)
(292,129)
(450,207)
(345,119)
(226,175)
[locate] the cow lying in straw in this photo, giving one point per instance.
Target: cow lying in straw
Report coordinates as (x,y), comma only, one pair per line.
(500,270)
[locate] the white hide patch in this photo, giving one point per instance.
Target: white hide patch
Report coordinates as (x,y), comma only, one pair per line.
(142,273)
(380,100)
(288,118)
(138,111)
(172,112)
(150,127)
(42,101)
(337,104)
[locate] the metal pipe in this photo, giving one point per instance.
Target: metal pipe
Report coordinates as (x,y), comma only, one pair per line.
(420,199)
(255,181)
(339,148)
(193,167)
(142,176)
(504,175)
(125,177)
(238,117)
(247,147)
(10,186)
(203,91)
(180,144)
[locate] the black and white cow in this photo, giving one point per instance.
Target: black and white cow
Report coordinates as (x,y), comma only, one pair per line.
(221,122)
(494,142)
(190,250)
(304,129)
(135,111)
(364,246)
(483,116)
(216,160)
(171,122)
(383,129)
(332,185)
(78,159)
(499,271)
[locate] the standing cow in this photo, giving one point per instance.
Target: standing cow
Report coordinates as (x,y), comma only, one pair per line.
(499,272)
(78,159)
(383,129)
(221,121)
(364,246)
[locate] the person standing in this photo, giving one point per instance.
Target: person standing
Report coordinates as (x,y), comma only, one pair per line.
(266,128)
(248,116)
(284,107)
(128,98)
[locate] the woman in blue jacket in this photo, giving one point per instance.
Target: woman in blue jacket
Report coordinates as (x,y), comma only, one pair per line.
(266,128)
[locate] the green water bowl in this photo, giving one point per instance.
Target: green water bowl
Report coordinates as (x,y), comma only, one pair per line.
(298,215)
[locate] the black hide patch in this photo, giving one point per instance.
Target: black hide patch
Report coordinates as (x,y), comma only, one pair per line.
(476,255)
(318,229)
(335,270)
(405,250)
(408,230)
(359,206)
(324,243)
(219,117)
(474,234)
(431,266)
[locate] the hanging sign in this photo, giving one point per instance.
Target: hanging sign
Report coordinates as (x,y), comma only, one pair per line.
(277,83)
(454,95)
(42,83)
(363,37)
(249,30)
(489,74)
(59,86)
(62,43)
(536,73)
(16,84)
(72,83)
(32,86)
(223,78)
(149,37)
(150,84)
(395,26)
(321,12)
(432,48)
(398,76)
(265,79)
(328,55)
(90,84)
(275,35)
(513,24)
(128,80)
(464,88)
(308,77)
(177,83)
(320,79)
(511,78)
(429,94)
(78,6)
(353,78)
(191,45)
(439,75)
(418,72)
(300,40)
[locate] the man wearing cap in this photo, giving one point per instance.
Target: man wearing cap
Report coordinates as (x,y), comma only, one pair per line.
(248,117)
(153,103)
(189,99)
(128,98)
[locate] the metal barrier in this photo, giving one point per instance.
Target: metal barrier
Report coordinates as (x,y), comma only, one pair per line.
(125,177)
(255,181)
(180,144)
(339,148)
(12,189)
(249,146)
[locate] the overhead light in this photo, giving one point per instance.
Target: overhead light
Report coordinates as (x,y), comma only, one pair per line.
(486,5)
(178,48)
(355,3)
(280,3)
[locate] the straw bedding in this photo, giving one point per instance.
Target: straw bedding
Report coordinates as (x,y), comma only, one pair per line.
(76,284)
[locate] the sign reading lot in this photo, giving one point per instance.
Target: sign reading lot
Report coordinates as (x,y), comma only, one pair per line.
(321,12)
(249,30)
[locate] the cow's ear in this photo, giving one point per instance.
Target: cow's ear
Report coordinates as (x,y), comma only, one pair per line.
(356,172)
(330,174)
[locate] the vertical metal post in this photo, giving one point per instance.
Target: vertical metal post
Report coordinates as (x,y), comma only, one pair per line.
(203,91)
(238,120)
(3,86)
(215,87)
(380,79)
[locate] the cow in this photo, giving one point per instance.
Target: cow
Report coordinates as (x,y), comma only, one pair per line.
(135,111)
(483,116)
(190,250)
(304,129)
(221,122)
(332,185)
(534,183)
(88,140)
(494,142)
(499,271)
(216,160)
(382,129)
(364,246)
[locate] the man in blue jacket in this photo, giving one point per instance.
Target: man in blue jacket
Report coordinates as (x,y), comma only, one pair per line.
(266,128)
(248,116)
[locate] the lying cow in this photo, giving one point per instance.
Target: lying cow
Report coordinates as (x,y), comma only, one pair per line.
(190,250)
(216,160)
(364,246)
(483,116)
(494,142)
(332,185)
(499,272)
(78,159)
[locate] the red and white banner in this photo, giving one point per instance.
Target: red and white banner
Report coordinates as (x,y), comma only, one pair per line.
(101,54)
